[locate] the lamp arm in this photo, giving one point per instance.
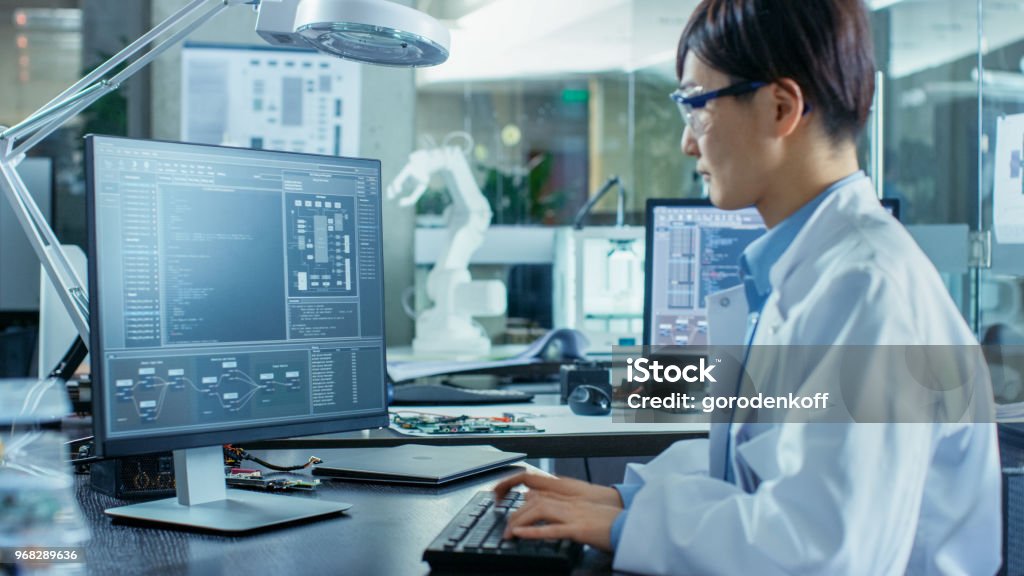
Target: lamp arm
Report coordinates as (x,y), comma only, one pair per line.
(60,111)
(55,114)
(29,124)
(59,116)
(125,53)
(577,222)
(69,287)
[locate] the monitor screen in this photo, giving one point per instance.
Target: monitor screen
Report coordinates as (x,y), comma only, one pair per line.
(235,294)
(693,250)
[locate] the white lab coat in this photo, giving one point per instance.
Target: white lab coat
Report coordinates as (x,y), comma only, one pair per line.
(826,498)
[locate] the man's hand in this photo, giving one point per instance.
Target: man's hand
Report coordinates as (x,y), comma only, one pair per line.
(562,488)
(564,517)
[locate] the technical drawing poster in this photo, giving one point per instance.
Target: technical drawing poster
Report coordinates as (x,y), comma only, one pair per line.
(1009,186)
(270,98)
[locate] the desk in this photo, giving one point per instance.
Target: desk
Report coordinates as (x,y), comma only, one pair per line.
(565,436)
(384,533)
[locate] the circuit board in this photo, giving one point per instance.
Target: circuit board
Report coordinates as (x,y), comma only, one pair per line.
(255,480)
(422,423)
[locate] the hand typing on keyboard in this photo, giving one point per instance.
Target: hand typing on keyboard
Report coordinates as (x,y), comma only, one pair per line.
(474,539)
(497,529)
(567,508)
(564,487)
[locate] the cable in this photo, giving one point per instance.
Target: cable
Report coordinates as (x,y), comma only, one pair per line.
(79,440)
(230,453)
(240,454)
(577,221)
(34,396)
(86,460)
(586,468)
(72,359)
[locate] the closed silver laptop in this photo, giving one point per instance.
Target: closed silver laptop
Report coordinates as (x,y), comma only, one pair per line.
(414,463)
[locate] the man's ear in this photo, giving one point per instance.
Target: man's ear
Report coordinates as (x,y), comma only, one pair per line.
(789,104)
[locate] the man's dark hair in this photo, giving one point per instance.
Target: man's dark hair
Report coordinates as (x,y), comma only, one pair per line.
(825,46)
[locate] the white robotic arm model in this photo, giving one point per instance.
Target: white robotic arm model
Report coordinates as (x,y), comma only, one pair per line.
(448,327)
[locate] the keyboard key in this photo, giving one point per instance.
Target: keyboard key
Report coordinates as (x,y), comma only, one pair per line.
(475,539)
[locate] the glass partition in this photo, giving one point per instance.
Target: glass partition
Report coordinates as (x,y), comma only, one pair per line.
(1000,146)
(578,94)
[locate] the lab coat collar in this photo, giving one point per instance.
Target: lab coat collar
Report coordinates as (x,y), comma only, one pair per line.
(761,255)
(829,223)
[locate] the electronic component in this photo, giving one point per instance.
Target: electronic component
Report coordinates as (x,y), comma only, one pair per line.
(597,374)
(439,424)
(152,476)
(234,455)
(134,478)
(590,400)
(254,479)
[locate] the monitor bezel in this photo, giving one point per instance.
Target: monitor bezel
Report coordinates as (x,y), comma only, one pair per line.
(892,204)
(106,446)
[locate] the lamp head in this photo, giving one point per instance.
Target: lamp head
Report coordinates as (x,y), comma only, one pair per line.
(370,31)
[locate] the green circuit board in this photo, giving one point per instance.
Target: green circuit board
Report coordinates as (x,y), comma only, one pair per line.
(439,424)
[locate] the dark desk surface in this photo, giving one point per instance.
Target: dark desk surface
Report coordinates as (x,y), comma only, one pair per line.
(384,533)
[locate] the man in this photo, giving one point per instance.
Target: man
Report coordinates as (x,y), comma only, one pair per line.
(774,94)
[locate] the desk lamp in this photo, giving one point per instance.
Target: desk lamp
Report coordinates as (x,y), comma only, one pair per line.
(371,31)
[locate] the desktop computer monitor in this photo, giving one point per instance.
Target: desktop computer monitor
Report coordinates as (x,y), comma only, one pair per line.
(235,295)
(693,250)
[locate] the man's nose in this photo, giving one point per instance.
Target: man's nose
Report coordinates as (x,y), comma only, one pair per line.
(689,143)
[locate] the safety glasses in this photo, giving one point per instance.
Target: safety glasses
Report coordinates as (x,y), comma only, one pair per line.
(693,100)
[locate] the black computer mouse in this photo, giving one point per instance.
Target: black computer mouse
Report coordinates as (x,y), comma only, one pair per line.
(587,400)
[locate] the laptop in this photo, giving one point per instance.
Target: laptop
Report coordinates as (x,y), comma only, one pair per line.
(418,464)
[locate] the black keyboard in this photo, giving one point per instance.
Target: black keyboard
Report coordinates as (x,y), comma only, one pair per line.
(473,539)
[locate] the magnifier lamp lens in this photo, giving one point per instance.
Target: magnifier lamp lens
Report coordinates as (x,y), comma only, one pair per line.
(374,44)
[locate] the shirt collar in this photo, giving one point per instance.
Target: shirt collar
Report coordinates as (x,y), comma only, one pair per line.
(761,254)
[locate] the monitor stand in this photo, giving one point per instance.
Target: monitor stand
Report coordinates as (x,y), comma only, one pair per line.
(204,502)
